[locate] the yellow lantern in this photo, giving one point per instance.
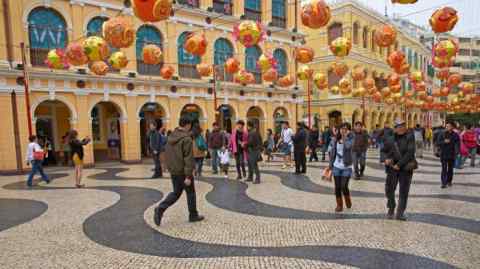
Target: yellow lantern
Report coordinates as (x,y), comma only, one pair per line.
(335,90)
(266,61)
(320,80)
(341,46)
(152,54)
(96,48)
(118,60)
(304,72)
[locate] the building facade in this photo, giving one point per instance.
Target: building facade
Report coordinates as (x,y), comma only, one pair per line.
(117,108)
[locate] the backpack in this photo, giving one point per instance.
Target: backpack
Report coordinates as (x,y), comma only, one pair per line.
(201,144)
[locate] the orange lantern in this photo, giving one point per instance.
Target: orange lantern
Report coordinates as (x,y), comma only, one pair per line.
(444,92)
(385,36)
(395,88)
(429,99)
(344,83)
(204,70)
(416,77)
(422,95)
(320,80)
(419,87)
(358,73)
(341,46)
(443,20)
(266,61)
(377,97)
(270,75)
(75,54)
(118,32)
(99,68)
(442,74)
(369,83)
(152,10)
(285,81)
(335,90)
(315,14)
(232,65)
(386,92)
(167,72)
(467,88)
(304,72)
(152,54)
(404,69)
(340,69)
(196,44)
(304,54)
(393,79)
(454,80)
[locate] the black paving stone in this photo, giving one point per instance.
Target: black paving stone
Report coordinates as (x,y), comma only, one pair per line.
(14,212)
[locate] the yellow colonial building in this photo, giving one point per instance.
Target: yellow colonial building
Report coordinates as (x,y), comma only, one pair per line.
(353,20)
(116,108)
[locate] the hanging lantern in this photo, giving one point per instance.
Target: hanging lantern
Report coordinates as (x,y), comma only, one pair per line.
(232,65)
(443,20)
(442,62)
(359,73)
(359,92)
(395,88)
(243,77)
(436,93)
(320,80)
(397,97)
(196,44)
(249,33)
(75,54)
(385,36)
(99,68)
(315,14)
(396,60)
(386,92)
(393,79)
(429,99)
(422,95)
(340,69)
(285,81)
(346,90)
(56,59)
(118,32)
(377,97)
(266,61)
(152,10)
(404,69)
(118,60)
(419,87)
(442,74)
(409,94)
(270,75)
(304,72)
(304,54)
(152,54)
(467,87)
(372,90)
(96,48)
(416,77)
(204,70)
(454,80)
(341,46)
(404,1)
(167,72)
(335,90)
(444,92)
(344,83)
(446,49)
(369,83)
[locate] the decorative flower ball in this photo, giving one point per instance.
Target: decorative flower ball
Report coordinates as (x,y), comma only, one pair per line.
(315,14)
(335,90)
(442,74)
(266,61)
(249,33)
(396,59)
(359,73)
(304,54)
(56,59)
(386,92)
(152,10)
(443,20)
(152,54)
(75,54)
(167,72)
(243,77)
(304,72)
(359,92)
(96,48)
(446,49)
(385,36)
(270,75)
(285,81)
(196,44)
(454,80)
(204,69)
(341,46)
(340,69)
(369,83)
(119,32)
(396,88)
(118,60)
(232,65)
(320,80)
(416,77)
(344,83)
(467,88)
(393,79)
(99,68)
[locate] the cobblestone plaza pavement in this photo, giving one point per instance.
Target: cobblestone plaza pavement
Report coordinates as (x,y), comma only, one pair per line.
(285,222)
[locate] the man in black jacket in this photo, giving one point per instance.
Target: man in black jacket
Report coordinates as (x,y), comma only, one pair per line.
(448,143)
(385,134)
(359,150)
(156,147)
(299,147)
(313,143)
(399,151)
(254,152)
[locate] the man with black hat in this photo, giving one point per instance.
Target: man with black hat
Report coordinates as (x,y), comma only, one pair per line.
(399,152)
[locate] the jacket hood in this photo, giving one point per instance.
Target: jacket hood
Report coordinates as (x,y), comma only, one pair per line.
(177,135)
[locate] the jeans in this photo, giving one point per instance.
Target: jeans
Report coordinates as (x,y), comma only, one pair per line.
(158,166)
(199,166)
(253,157)
(300,160)
(341,186)
(240,163)
(359,159)
(447,171)
(419,148)
(215,160)
(36,167)
(394,178)
(313,153)
(178,187)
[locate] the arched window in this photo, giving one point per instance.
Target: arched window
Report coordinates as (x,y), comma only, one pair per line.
(374,47)
(282,62)
(251,56)
(365,37)
(187,63)
(355,33)
(47,30)
(223,6)
(223,51)
(279,14)
(94,26)
(253,10)
(147,35)
(335,30)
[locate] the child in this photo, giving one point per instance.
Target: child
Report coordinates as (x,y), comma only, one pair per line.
(224,156)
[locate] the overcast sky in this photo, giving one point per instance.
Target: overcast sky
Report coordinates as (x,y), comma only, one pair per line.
(469,11)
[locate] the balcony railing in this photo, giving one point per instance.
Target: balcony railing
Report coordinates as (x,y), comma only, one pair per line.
(188,71)
(148,69)
(224,7)
(38,56)
(258,77)
(251,14)
(280,22)
(191,3)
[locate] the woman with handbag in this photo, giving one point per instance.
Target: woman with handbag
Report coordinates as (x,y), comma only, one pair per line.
(341,165)
(76,147)
(199,149)
(35,157)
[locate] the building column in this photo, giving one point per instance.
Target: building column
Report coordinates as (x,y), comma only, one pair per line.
(84,127)
(130,131)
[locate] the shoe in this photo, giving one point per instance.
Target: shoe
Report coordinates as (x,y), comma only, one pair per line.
(79,185)
(284,166)
(357,177)
(215,172)
(239,178)
(339,207)
(157,216)
(47,181)
(256,182)
(156,176)
(444,186)
(196,218)
(450,184)
(348,201)
(248,180)
(390,213)
(401,217)
(303,172)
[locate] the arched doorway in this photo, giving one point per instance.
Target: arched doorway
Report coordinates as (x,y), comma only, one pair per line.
(52,123)
(256,115)
(226,117)
(194,111)
(150,112)
(106,138)
(279,116)
(334,118)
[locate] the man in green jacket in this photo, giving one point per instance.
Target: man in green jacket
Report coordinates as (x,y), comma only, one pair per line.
(180,164)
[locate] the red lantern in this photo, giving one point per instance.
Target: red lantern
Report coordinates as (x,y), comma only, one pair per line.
(396,59)
(454,80)
(443,20)
(75,54)
(369,83)
(315,14)
(99,68)
(419,87)
(270,75)
(377,97)
(152,54)
(167,72)
(304,54)
(404,69)
(204,70)
(340,69)
(196,44)
(232,65)
(358,73)
(119,32)
(152,10)
(445,91)
(393,79)
(385,36)
(442,74)
(285,81)
(396,88)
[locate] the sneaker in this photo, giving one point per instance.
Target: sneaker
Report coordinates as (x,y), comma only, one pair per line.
(157,216)
(444,186)
(390,213)
(196,218)
(401,217)
(215,172)
(239,178)
(284,166)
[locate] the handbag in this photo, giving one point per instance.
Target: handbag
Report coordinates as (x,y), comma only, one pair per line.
(327,174)
(411,165)
(38,155)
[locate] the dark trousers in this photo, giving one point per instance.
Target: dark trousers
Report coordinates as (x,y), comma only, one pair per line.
(447,171)
(359,161)
(158,165)
(313,153)
(341,186)
(178,187)
(253,158)
(300,160)
(404,179)
(240,163)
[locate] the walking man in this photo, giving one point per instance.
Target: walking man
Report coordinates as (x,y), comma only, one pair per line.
(359,150)
(448,143)
(313,143)
(254,152)
(216,141)
(285,144)
(180,163)
(418,133)
(400,162)
(385,134)
(156,146)
(299,147)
